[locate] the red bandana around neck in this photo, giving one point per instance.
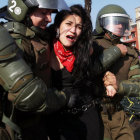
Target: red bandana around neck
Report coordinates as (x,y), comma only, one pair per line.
(67,58)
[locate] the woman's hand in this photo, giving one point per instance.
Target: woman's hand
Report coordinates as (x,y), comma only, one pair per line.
(110,90)
(110,83)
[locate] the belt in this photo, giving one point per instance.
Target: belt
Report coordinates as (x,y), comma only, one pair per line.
(111,108)
(82,108)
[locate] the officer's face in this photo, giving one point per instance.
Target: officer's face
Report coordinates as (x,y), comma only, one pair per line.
(70,29)
(116,29)
(41,17)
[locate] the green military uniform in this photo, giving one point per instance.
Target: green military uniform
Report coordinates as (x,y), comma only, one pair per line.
(117,128)
(115,120)
(126,70)
(25,71)
(34,47)
(36,52)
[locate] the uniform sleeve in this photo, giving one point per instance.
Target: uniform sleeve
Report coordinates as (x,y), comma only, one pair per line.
(26,91)
(102,59)
(131,87)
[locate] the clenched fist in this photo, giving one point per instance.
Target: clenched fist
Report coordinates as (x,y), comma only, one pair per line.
(110,83)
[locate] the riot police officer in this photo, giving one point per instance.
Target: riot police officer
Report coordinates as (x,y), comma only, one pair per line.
(113,23)
(25,72)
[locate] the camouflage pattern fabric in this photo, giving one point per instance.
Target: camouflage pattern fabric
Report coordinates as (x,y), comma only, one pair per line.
(131,105)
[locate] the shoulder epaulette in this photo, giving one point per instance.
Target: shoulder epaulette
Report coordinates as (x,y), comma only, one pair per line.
(19,28)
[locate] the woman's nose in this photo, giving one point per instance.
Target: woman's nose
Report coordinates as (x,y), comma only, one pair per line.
(73,29)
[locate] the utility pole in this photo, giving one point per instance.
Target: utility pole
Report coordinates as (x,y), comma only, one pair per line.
(88,6)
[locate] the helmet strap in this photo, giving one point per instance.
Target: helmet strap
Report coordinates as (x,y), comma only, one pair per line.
(112,36)
(28,22)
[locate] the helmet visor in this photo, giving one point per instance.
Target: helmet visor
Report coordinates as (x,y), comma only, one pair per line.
(53,4)
(118,24)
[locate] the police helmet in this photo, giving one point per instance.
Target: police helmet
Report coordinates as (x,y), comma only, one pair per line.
(19,8)
(112,15)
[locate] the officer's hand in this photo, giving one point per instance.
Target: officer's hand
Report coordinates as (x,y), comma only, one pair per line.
(110,79)
(122,48)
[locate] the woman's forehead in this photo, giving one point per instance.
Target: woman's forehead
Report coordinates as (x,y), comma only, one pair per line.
(74,18)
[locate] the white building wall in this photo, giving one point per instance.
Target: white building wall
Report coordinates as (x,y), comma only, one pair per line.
(137,10)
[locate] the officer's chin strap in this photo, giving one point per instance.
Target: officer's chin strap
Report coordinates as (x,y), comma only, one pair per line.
(112,36)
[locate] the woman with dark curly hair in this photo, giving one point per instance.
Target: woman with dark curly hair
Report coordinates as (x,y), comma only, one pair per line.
(73,63)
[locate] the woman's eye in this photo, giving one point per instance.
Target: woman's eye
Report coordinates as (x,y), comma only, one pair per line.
(68,24)
(79,27)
